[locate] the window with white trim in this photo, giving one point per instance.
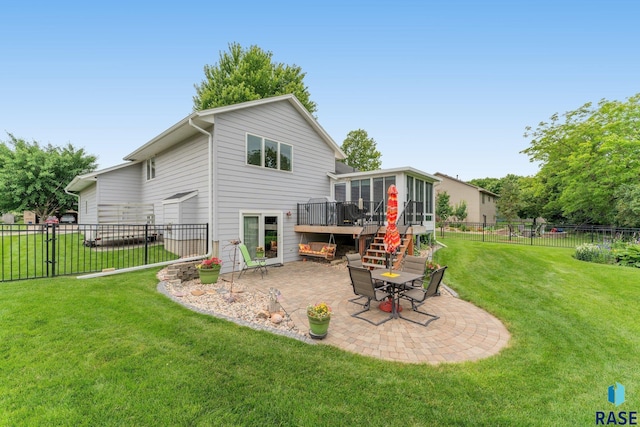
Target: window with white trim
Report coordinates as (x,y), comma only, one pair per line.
(151,168)
(269,154)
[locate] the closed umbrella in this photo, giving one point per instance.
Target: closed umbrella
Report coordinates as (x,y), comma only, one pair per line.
(391,235)
(391,240)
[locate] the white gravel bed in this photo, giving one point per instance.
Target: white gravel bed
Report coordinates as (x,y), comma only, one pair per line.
(246,308)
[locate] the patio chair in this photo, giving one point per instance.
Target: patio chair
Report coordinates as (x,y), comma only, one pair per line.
(354,260)
(417,265)
(418,295)
(250,264)
(352,214)
(365,287)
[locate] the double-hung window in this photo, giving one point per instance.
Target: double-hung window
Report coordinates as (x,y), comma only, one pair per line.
(268,153)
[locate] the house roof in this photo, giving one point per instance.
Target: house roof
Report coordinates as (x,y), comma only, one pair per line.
(480,189)
(342,167)
(80,182)
(205,118)
(405,169)
(180,197)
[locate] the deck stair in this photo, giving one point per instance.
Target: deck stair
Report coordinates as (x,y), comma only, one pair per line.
(376,257)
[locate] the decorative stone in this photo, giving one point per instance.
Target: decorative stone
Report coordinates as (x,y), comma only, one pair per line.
(276,318)
(197,292)
(249,306)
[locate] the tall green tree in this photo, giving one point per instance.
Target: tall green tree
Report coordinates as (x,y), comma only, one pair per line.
(361,151)
(246,75)
(586,155)
(33,177)
(443,206)
(490,184)
(460,211)
(628,205)
(531,197)
(508,204)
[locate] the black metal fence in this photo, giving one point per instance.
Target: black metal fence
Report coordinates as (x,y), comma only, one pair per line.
(47,250)
(558,235)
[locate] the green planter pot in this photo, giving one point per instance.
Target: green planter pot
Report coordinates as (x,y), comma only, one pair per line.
(260,254)
(318,327)
(209,276)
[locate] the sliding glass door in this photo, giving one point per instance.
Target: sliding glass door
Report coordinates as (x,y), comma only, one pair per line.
(264,230)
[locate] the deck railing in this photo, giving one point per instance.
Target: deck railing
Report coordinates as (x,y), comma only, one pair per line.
(357,213)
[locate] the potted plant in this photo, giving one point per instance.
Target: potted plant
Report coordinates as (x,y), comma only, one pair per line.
(259,252)
(209,270)
(431,267)
(319,316)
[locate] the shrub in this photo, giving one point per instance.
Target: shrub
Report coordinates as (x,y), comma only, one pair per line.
(594,253)
(629,255)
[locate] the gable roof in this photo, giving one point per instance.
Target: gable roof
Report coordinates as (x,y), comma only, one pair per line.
(405,169)
(480,189)
(80,182)
(206,118)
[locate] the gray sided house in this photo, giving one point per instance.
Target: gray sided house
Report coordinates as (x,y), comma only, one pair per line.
(239,168)
(251,171)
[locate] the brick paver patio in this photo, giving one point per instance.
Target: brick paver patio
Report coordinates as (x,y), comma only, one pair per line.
(463,331)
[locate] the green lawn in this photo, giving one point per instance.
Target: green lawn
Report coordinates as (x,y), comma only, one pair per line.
(113,351)
(24,255)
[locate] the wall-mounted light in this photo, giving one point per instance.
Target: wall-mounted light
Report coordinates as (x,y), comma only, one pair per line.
(288,214)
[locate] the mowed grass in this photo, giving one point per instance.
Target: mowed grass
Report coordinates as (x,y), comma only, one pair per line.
(25,255)
(113,351)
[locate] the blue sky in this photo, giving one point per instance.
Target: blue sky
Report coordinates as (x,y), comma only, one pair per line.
(442,86)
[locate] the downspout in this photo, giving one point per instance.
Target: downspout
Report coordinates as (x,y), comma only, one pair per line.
(212,230)
(77,196)
(212,191)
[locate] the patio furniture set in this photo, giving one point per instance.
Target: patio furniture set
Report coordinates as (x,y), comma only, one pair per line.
(390,286)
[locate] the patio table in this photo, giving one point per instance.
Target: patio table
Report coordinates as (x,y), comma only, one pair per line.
(396,281)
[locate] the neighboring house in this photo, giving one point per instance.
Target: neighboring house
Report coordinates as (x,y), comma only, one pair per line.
(243,169)
(481,203)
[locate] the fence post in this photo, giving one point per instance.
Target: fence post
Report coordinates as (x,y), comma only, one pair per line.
(51,256)
(532,231)
(146,244)
(46,250)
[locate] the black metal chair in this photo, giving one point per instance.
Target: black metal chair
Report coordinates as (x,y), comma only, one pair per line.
(418,295)
(352,214)
(365,287)
(417,265)
(354,260)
